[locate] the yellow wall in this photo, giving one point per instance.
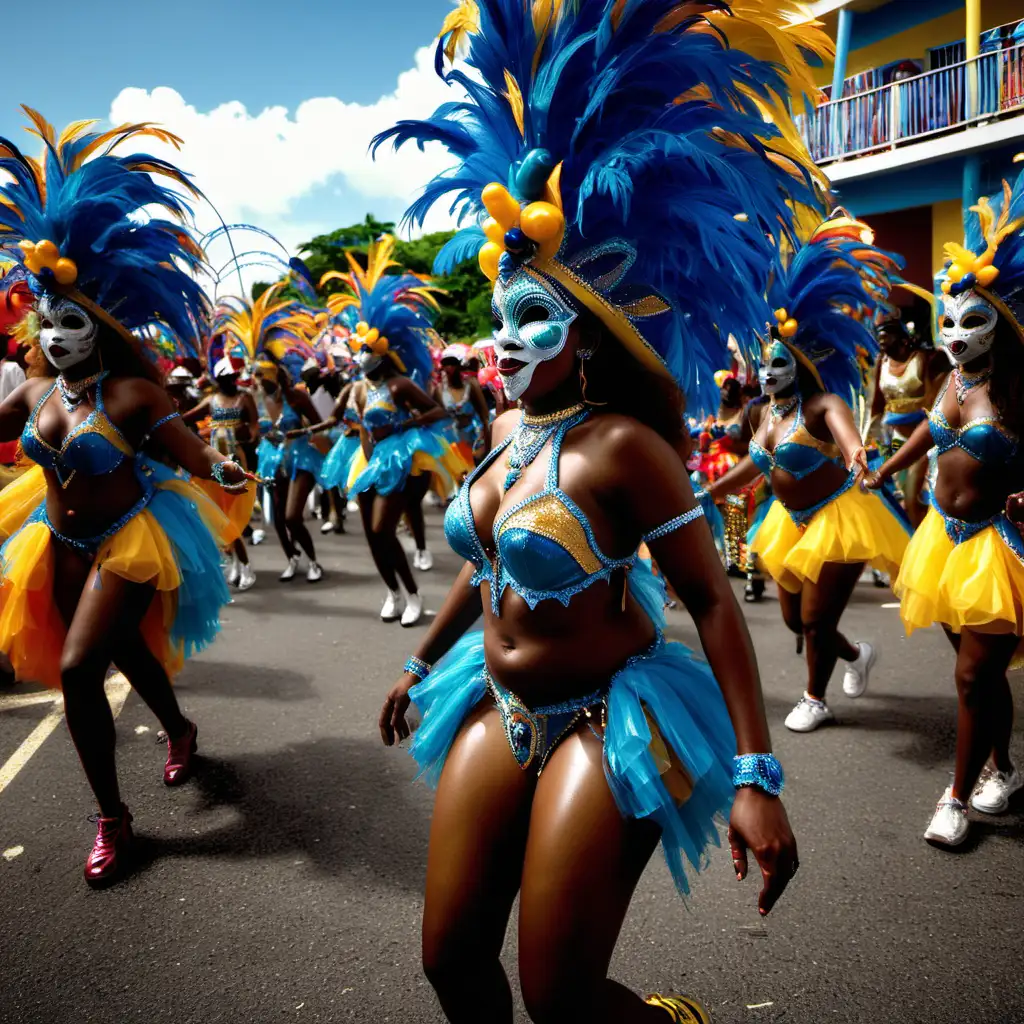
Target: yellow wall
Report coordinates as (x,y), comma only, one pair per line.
(915,41)
(947,226)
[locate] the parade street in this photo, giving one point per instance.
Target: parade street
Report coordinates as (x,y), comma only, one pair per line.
(284,883)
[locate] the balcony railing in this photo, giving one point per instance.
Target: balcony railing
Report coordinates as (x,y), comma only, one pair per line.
(965,93)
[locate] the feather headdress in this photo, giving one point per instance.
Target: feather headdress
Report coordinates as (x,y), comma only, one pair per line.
(826,296)
(991,260)
(267,324)
(388,313)
(77,220)
(638,157)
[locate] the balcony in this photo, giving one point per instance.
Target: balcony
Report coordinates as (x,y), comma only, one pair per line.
(968,92)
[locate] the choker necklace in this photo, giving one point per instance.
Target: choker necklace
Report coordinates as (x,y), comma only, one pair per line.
(782,409)
(967,382)
(530,437)
(72,392)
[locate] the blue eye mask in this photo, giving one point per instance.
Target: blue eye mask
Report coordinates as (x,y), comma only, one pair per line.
(534,328)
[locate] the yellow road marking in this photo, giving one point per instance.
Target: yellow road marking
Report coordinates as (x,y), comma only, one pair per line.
(117,693)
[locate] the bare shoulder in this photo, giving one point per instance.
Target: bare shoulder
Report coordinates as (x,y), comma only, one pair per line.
(504,425)
(623,437)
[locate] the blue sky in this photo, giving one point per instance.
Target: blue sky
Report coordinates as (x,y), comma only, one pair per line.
(258,56)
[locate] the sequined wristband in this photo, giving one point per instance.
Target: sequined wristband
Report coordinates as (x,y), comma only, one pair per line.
(760,770)
(217,472)
(417,667)
(673,524)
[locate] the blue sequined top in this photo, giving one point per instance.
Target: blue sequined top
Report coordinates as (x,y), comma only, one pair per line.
(380,410)
(983,438)
(799,453)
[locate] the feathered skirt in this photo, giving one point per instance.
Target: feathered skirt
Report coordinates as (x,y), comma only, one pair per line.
(668,740)
(406,453)
(338,463)
(288,459)
(171,541)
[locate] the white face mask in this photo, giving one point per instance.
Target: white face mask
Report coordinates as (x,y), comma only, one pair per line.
(534,328)
(67,332)
(967,325)
(367,361)
(777,370)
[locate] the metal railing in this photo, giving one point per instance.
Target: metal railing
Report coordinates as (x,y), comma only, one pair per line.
(964,93)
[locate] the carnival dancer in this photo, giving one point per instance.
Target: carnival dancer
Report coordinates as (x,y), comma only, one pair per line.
(821,529)
(460,394)
(234,425)
(907,380)
(324,385)
(344,420)
(109,556)
(405,446)
(604,158)
(965,566)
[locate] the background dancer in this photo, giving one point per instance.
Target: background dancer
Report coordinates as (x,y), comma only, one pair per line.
(461,396)
(821,530)
(109,557)
(965,566)
(571,673)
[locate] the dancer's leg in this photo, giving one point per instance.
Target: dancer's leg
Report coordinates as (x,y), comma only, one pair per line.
(298,494)
(822,607)
(279,493)
(477,838)
(386,513)
(148,679)
(583,860)
(415,492)
(381,558)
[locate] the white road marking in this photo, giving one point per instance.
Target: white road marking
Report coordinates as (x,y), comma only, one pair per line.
(891,604)
(12,852)
(117,693)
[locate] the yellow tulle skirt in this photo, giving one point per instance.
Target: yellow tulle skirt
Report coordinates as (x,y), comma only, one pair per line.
(237,507)
(173,545)
(854,527)
(977,584)
(412,452)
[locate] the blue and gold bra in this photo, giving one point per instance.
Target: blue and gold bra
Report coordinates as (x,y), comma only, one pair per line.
(379,409)
(95,447)
(983,438)
(799,453)
(544,546)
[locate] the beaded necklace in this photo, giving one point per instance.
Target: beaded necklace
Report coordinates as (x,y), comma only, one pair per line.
(782,409)
(530,437)
(966,382)
(72,393)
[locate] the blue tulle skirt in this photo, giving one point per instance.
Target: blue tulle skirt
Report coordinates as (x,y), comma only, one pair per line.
(665,711)
(408,453)
(338,461)
(288,459)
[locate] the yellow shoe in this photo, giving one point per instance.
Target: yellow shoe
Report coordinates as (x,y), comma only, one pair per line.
(682,1009)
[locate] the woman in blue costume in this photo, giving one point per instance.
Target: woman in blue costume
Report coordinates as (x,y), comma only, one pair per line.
(599,155)
(964,568)
(345,420)
(461,396)
(109,557)
(404,442)
(821,530)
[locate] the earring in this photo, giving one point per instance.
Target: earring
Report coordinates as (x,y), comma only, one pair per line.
(585,354)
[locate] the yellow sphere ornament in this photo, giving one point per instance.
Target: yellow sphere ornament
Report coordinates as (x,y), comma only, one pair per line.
(494,231)
(65,271)
(500,205)
(781,315)
(986,275)
(379,345)
(789,328)
(362,327)
(543,222)
(27,247)
(47,252)
(489,255)
(371,336)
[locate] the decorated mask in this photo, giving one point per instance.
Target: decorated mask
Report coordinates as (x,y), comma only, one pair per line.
(367,361)
(534,328)
(67,332)
(778,368)
(967,326)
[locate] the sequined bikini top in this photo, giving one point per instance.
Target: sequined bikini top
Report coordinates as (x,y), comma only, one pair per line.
(95,447)
(460,406)
(227,415)
(380,409)
(799,453)
(905,393)
(983,438)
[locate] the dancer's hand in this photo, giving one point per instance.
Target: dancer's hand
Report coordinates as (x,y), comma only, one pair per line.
(872,481)
(379,433)
(392,716)
(759,823)
(293,434)
(1015,508)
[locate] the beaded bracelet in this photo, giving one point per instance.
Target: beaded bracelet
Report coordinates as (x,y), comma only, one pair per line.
(760,770)
(217,472)
(417,667)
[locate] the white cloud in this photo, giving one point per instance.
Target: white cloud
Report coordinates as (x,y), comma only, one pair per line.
(256,167)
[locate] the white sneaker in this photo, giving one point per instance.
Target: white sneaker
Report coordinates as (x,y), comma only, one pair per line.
(258,537)
(352,506)
(235,572)
(291,570)
(389,612)
(246,577)
(949,825)
(808,715)
(423,560)
(327,527)
(994,789)
(314,574)
(855,679)
(413,610)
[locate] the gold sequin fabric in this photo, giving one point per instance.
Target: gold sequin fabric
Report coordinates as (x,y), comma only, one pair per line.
(549,518)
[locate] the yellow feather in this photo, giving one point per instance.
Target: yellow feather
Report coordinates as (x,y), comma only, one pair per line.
(460,24)
(514,96)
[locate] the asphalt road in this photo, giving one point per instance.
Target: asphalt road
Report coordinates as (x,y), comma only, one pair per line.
(284,882)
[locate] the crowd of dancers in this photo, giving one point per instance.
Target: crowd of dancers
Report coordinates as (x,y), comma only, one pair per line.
(690,332)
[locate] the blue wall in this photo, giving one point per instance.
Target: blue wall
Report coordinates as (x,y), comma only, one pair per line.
(897,16)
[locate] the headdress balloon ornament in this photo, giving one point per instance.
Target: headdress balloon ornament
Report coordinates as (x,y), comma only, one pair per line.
(984,278)
(79,222)
(825,296)
(635,160)
(391,314)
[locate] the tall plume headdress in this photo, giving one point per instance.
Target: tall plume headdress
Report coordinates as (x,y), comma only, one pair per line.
(636,158)
(826,295)
(77,221)
(389,314)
